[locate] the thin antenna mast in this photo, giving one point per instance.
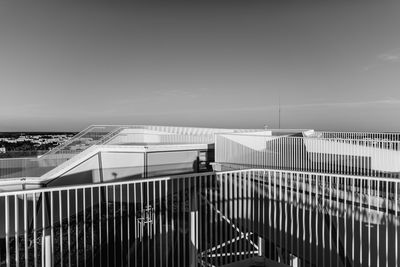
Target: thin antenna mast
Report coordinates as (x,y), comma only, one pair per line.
(279,111)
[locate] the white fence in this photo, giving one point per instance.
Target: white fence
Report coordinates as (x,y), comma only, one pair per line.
(212,219)
(337,156)
(359,135)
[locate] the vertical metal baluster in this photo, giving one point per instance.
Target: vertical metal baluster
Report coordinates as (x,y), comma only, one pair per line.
(323,218)
(43,230)
(360,218)
(76,227)
(243,184)
(250,199)
(252,212)
(16,226)
(280,211)
(234,206)
(160,202)
(7,229)
(149,235)
(178,216)
(100,224)
(154,224)
(297,214)
(51,225)
(238,213)
(246,184)
(222,201)
(174,218)
(92,224)
(369,221)
(217,223)
(291,218)
(34,229)
(285,202)
(136,239)
(114,202)
(337,221)
(128,228)
(121,208)
(387,223)
(330,211)
(213,224)
(141,228)
(243,196)
(353,188)
(241,181)
(61,227)
(310,214)
(26,218)
(395,223)
(275,219)
(167,245)
(203,252)
(303,215)
(316,219)
(227,200)
(231,210)
(263,222)
(345,220)
(236,216)
(69,226)
(254,204)
(189,222)
(107,228)
(84,225)
(270,226)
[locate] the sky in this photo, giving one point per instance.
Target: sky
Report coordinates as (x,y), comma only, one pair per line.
(329,65)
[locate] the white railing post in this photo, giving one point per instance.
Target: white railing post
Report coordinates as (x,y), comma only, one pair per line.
(48,251)
(194,232)
(261,247)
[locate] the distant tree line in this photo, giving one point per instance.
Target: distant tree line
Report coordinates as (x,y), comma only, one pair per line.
(24,149)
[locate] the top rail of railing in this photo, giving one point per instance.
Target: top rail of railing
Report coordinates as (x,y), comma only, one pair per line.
(105,184)
(198,175)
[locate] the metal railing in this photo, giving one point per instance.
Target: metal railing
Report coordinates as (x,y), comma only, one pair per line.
(311,154)
(35,167)
(359,135)
(106,134)
(209,219)
(83,140)
(23,154)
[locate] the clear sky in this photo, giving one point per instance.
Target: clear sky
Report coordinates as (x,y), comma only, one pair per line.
(68,64)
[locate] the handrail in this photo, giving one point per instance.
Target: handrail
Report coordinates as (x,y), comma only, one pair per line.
(68,142)
(191,175)
(104,184)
